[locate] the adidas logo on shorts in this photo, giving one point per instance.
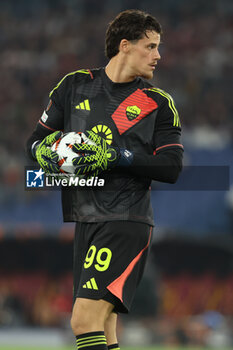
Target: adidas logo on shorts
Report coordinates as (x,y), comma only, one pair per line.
(91,284)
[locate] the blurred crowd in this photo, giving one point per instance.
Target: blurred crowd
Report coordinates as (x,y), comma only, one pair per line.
(41,41)
(35,299)
(42,300)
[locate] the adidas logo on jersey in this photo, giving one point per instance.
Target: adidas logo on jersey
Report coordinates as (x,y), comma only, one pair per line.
(84,105)
(91,284)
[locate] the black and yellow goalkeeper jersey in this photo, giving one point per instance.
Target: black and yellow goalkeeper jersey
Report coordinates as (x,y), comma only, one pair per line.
(135,116)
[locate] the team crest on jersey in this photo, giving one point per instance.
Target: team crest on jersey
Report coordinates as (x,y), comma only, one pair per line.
(128,114)
(103,131)
(132,112)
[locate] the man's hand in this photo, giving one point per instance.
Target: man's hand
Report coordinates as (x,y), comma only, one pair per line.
(48,159)
(101,156)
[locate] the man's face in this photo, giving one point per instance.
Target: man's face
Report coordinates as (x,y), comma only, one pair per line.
(143,55)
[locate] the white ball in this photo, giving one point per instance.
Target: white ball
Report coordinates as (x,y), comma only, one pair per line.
(63,148)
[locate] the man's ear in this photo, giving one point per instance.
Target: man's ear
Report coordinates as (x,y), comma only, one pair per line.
(124,45)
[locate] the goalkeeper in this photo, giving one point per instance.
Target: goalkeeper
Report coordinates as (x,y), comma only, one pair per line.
(136,130)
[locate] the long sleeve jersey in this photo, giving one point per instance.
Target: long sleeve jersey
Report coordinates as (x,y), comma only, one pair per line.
(135,116)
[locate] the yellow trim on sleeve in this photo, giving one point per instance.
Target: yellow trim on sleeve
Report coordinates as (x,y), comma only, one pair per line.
(176,121)
(84,71)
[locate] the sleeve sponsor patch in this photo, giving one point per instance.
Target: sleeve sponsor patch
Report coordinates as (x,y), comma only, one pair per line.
(44,117)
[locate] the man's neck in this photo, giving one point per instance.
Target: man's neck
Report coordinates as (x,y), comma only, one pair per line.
(118,72)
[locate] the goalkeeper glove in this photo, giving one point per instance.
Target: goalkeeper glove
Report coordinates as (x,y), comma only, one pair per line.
(48,159)
(101,156)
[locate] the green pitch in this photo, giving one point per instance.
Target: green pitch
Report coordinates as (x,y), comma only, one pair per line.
(123,348)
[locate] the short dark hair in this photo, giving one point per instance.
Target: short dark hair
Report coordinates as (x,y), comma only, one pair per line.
(130,25)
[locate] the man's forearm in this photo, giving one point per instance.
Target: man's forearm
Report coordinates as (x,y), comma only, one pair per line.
(164,167)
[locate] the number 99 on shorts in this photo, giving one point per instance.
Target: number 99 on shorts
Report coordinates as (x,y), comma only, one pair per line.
(100,258)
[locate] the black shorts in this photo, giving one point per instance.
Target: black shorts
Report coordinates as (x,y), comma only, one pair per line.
(109,260)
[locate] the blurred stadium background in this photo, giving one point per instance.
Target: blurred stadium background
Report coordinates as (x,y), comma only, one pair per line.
(186,296)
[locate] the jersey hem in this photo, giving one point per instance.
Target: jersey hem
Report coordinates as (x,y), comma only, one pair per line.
(70,218)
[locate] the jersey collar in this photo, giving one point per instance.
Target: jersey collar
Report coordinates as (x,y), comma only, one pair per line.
(111,85)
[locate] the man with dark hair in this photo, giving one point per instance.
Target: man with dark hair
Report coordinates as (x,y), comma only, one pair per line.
(136,131)
(131,25)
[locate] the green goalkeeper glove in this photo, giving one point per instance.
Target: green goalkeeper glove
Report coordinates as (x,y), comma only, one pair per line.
(101,156)
(48,159)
